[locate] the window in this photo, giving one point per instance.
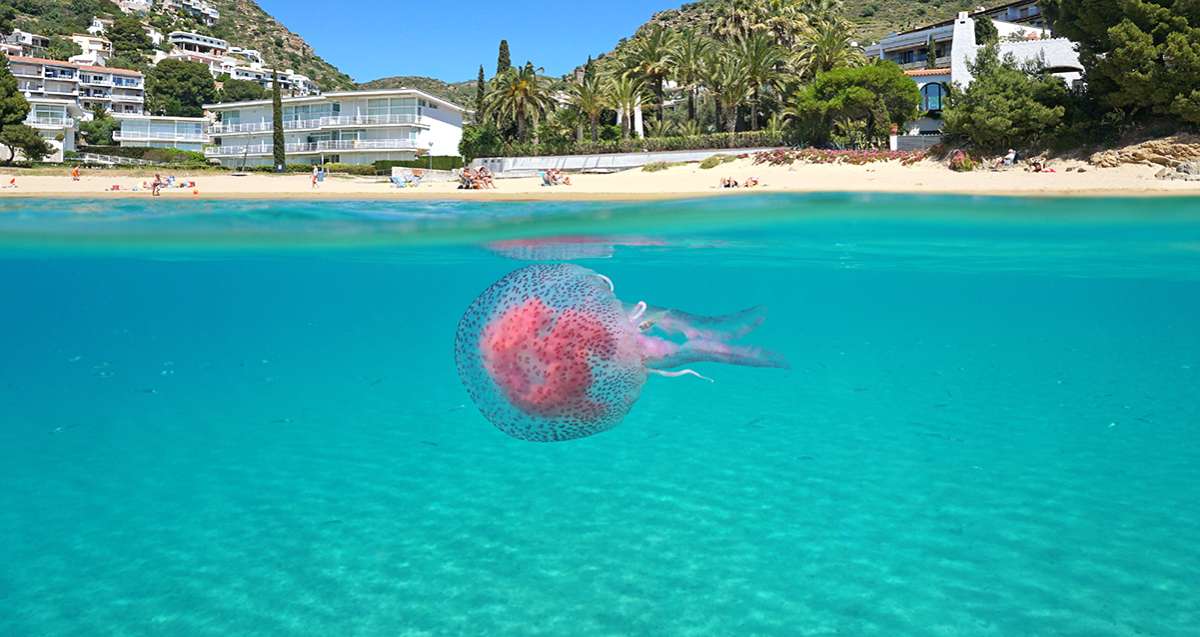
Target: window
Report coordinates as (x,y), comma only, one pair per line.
(932,95)
(905,57)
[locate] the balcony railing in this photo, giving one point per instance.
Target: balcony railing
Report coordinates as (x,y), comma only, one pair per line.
(122,97)
(139,136)
(56,122)
(320,122)
(313,147)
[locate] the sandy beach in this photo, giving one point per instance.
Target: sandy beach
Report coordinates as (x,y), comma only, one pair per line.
(676,182)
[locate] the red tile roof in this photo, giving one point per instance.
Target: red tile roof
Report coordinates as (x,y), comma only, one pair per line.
(82,67)
(924,72)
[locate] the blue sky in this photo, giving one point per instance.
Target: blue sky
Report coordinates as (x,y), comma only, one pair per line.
(448,40)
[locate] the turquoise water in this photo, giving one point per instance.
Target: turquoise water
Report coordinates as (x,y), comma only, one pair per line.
(244,419)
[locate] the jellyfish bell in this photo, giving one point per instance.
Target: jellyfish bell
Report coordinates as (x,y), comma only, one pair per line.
(549,353)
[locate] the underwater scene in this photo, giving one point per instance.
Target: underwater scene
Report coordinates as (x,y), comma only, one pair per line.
(779,415)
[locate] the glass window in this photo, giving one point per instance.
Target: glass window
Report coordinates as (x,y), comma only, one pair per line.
(932,95)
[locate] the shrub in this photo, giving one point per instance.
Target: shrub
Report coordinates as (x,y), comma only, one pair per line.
(961,162)
(712,162)
(637,145)
(787,157)
(161,155)
(660,165)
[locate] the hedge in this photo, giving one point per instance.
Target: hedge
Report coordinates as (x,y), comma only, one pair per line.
(162,155)
(440,162)
(648,144)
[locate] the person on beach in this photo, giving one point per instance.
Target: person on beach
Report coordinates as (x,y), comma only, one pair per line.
(315,170)
(75,173)
(156,185)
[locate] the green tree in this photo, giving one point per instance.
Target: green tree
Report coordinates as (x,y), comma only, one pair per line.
(14,108)
(278,142)
(99,130)
(7,15)
(587,96)
(129,40)
(480,91)
(760,60)
(726,78)
(62,48)
(986,32)
(240,91)
(519,96)
(481,139)
(27,140)
(179,88)
(687,65)
(826,45)
(1006,106)
(1141,56)
(649,57)
(503,60)
(876,96)
(625,95)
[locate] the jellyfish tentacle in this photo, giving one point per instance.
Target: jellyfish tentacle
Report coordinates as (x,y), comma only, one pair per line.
(728,326)
(682,372)
(611,287)
(638,312)
(665,354)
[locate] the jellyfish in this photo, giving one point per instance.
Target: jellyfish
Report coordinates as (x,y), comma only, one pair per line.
(548,353)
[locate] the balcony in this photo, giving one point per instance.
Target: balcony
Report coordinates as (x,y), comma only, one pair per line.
(124,97)
(321,122)
(140,136)
(50,122)
(314,147)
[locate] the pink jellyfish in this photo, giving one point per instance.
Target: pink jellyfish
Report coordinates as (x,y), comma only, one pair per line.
(548,353)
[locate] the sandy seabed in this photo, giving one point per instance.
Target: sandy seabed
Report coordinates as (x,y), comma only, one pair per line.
(676,182)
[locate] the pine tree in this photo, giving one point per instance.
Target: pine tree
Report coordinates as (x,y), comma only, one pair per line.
(479,91)
(504,62)
(277,123)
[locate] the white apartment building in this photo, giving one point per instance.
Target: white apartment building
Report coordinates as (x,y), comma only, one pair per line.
(237,63)
(31,44)
(358,127)
(206,13)
(146,131)
(96,49)
(55,120)
(121,91)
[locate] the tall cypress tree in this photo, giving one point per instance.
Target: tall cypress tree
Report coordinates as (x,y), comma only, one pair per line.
(504,62)
(277,123)
(479,90)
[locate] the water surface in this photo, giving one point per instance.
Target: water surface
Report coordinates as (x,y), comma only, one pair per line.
(244,419)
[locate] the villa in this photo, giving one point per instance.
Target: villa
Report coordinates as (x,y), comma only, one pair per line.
(357,127)
(199,9)
(54,119)
(96,49)
(939,55)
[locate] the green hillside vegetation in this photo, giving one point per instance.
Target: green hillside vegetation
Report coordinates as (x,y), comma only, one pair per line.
(243,23)
(461,93)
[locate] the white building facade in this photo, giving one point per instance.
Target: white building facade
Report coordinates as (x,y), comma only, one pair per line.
(940,55)
(358,127)
(237,63)
(206,13)
(145,131)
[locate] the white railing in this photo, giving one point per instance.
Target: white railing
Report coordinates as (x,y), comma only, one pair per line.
(139,136)
(313,147)
(320,122)
(121,97)
(50,121)
(97,82)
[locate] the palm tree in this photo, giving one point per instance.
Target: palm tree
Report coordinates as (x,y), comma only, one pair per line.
(649,57)
(725,75)
(736,18)
(760,60)
(587,95)
(786,20)
(827,45)
(518,95)
(625,94)
(691,50)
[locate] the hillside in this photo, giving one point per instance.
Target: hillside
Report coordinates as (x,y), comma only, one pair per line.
(873,18)
(461,93)
(243,23)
